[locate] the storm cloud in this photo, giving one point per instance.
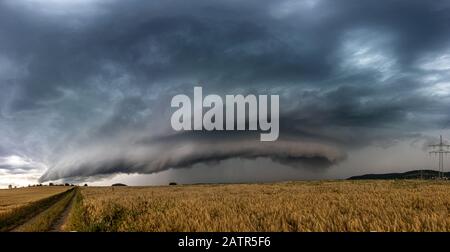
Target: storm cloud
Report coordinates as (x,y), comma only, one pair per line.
(152,158)
(86,84)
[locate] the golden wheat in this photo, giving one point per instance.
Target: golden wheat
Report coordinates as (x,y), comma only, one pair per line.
(44,220)
(292,206)
(13,198)
(22,208)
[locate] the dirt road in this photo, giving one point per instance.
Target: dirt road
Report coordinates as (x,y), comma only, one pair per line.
(59,222)
(51,218)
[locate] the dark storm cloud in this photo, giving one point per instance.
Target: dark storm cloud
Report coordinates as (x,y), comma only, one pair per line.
(95,74)
(13,169)
(363,108)
(152,158)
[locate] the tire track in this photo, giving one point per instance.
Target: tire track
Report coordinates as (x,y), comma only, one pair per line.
(59,222)
(50,219)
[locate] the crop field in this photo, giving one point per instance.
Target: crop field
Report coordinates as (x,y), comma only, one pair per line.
(13,198)
(291,206)
(34,209)
(401,205)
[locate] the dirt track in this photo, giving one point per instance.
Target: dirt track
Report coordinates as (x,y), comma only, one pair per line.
(55,221)
(59,222)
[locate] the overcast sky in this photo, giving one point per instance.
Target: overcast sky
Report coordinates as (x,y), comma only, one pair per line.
(86,87)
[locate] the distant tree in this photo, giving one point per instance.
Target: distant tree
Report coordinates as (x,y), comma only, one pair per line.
(50,184)
(85,185)
(172,183)
(10,187)
(66,184)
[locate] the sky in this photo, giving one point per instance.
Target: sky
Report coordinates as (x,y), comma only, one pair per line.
(86,87)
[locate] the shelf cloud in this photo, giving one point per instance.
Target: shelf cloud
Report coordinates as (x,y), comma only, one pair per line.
(152,158)
(86,86)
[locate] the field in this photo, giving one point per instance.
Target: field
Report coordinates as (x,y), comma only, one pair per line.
(292,206)
(33,209)
(401,205)
(13,198)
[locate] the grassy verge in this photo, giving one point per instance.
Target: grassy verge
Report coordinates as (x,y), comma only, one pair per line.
(20,215)
(80,220)
(43,221)
(75,220)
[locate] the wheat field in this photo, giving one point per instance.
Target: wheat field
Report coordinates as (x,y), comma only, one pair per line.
(13,198)
(32,209)
(290,206)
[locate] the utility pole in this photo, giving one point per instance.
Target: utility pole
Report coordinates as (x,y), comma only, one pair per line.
(440,149)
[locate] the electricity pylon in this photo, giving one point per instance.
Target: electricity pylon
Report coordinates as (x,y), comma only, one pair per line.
(440,149)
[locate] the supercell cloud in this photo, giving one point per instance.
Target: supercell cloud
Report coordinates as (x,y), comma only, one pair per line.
(86,84)
(153,157)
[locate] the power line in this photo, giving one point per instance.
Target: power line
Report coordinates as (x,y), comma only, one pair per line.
(439,150)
